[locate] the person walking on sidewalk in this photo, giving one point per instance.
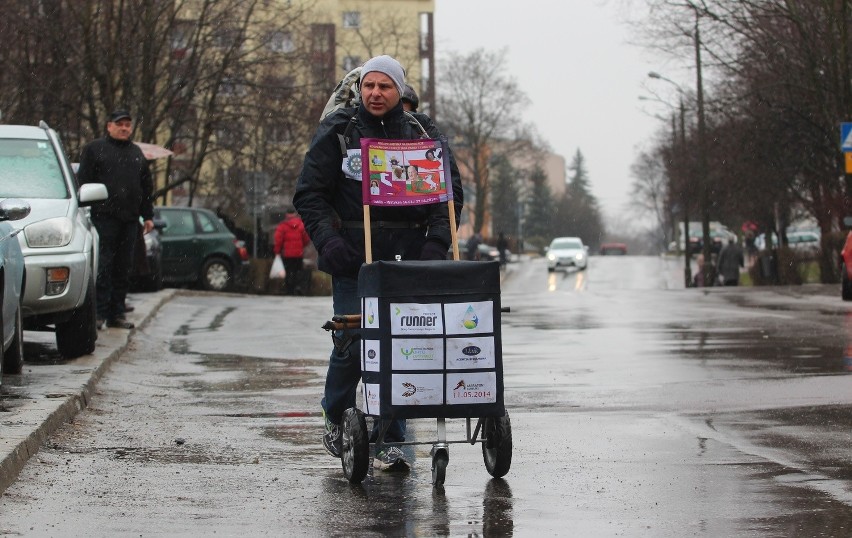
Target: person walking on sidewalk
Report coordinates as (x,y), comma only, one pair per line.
(729,263)
(118,163)
(328,198)
(290,242)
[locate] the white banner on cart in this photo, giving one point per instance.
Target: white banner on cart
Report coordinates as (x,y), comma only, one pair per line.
(370,355)
(370,313)
(470,353)
(470,318)
(417,354)
(471,388)
(417,389)
(416,318)
(371,399)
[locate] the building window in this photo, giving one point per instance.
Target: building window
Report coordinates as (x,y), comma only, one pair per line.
(351,62)
(281,41)
(351,19)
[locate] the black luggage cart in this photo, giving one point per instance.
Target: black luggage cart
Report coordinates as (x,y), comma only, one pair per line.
(430,348)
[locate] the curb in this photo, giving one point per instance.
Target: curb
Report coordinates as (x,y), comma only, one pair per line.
(67,391)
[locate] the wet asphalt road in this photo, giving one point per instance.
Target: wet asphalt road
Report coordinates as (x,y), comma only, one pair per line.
(638,409)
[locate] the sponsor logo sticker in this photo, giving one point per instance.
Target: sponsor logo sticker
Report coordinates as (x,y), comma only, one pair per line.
(370,356)
(471,388)
(470,318)
(416,318)
(471,353)
(369,313)
(417,353)
(417,389)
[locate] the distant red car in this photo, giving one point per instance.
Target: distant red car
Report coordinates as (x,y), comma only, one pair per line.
(846,269)
(613,249)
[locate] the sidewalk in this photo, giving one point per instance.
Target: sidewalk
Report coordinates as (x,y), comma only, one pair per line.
(45,396)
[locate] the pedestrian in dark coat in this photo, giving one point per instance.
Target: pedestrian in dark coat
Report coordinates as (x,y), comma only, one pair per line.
(118,163)
(729,263)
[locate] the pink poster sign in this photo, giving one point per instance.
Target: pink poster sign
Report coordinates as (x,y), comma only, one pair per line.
(405,172)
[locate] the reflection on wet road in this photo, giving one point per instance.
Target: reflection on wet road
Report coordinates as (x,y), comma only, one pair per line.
(638,409)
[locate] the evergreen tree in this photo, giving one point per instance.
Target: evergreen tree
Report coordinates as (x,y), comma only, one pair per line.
(505,195)
(577,212)
(538,229)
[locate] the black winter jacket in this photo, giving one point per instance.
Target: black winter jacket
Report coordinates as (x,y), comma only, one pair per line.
(326,199)
(122,167)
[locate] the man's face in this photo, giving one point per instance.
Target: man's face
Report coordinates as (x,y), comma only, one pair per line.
(378,93)
(121,129)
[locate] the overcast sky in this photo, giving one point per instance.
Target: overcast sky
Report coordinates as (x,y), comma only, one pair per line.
(573,60)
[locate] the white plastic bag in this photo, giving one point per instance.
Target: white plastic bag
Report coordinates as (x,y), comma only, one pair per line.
(277,270)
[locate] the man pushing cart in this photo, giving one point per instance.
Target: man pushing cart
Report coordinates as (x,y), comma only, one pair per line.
(403,222)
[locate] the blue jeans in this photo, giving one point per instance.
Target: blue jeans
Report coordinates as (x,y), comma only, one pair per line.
(344,366)
(116,242)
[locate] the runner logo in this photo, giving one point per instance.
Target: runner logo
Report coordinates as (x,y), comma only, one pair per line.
(460,385)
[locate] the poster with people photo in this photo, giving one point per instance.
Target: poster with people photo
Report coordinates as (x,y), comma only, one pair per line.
(405,172)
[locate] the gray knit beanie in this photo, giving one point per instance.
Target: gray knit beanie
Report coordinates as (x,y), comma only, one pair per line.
(387,65)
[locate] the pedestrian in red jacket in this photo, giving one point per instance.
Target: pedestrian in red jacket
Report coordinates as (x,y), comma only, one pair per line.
(290,242)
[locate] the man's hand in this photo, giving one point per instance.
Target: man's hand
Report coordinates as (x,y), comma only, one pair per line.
(148,225)
(433,250)
(340,258)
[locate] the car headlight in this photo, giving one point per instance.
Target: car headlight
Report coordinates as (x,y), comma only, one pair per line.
(551,257)
(47,233)
(580,256)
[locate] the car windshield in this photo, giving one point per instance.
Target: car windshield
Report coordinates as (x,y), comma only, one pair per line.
(566,243)
(30,169)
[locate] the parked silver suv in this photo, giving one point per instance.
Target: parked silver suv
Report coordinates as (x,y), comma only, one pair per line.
(58,240)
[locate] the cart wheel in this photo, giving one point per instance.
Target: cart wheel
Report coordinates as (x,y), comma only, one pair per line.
(440,459)
(355,450)
(497,445)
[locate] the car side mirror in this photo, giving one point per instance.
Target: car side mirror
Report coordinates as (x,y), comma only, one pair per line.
(92,192)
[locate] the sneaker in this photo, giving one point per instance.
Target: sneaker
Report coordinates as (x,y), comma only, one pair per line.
(331,437)
(120,323)
(390,460)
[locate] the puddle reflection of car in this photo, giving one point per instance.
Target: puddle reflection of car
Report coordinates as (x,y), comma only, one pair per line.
(12,267)
(198,249)
(565,252)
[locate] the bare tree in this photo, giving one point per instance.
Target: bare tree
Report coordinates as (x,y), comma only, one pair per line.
(480,106)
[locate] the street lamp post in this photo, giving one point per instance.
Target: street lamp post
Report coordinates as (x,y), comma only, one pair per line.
(684,191)
(707,270)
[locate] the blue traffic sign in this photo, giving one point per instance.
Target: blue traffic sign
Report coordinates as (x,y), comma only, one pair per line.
(846,136)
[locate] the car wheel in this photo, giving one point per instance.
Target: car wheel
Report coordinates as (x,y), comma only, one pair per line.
(846,284)
(13,358)
(216,275)
(77,336)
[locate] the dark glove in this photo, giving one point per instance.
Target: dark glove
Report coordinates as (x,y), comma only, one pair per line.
(433,250)
(340,258)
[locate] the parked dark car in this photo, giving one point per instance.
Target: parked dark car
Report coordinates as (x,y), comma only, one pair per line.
(486,252)
(198,249)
